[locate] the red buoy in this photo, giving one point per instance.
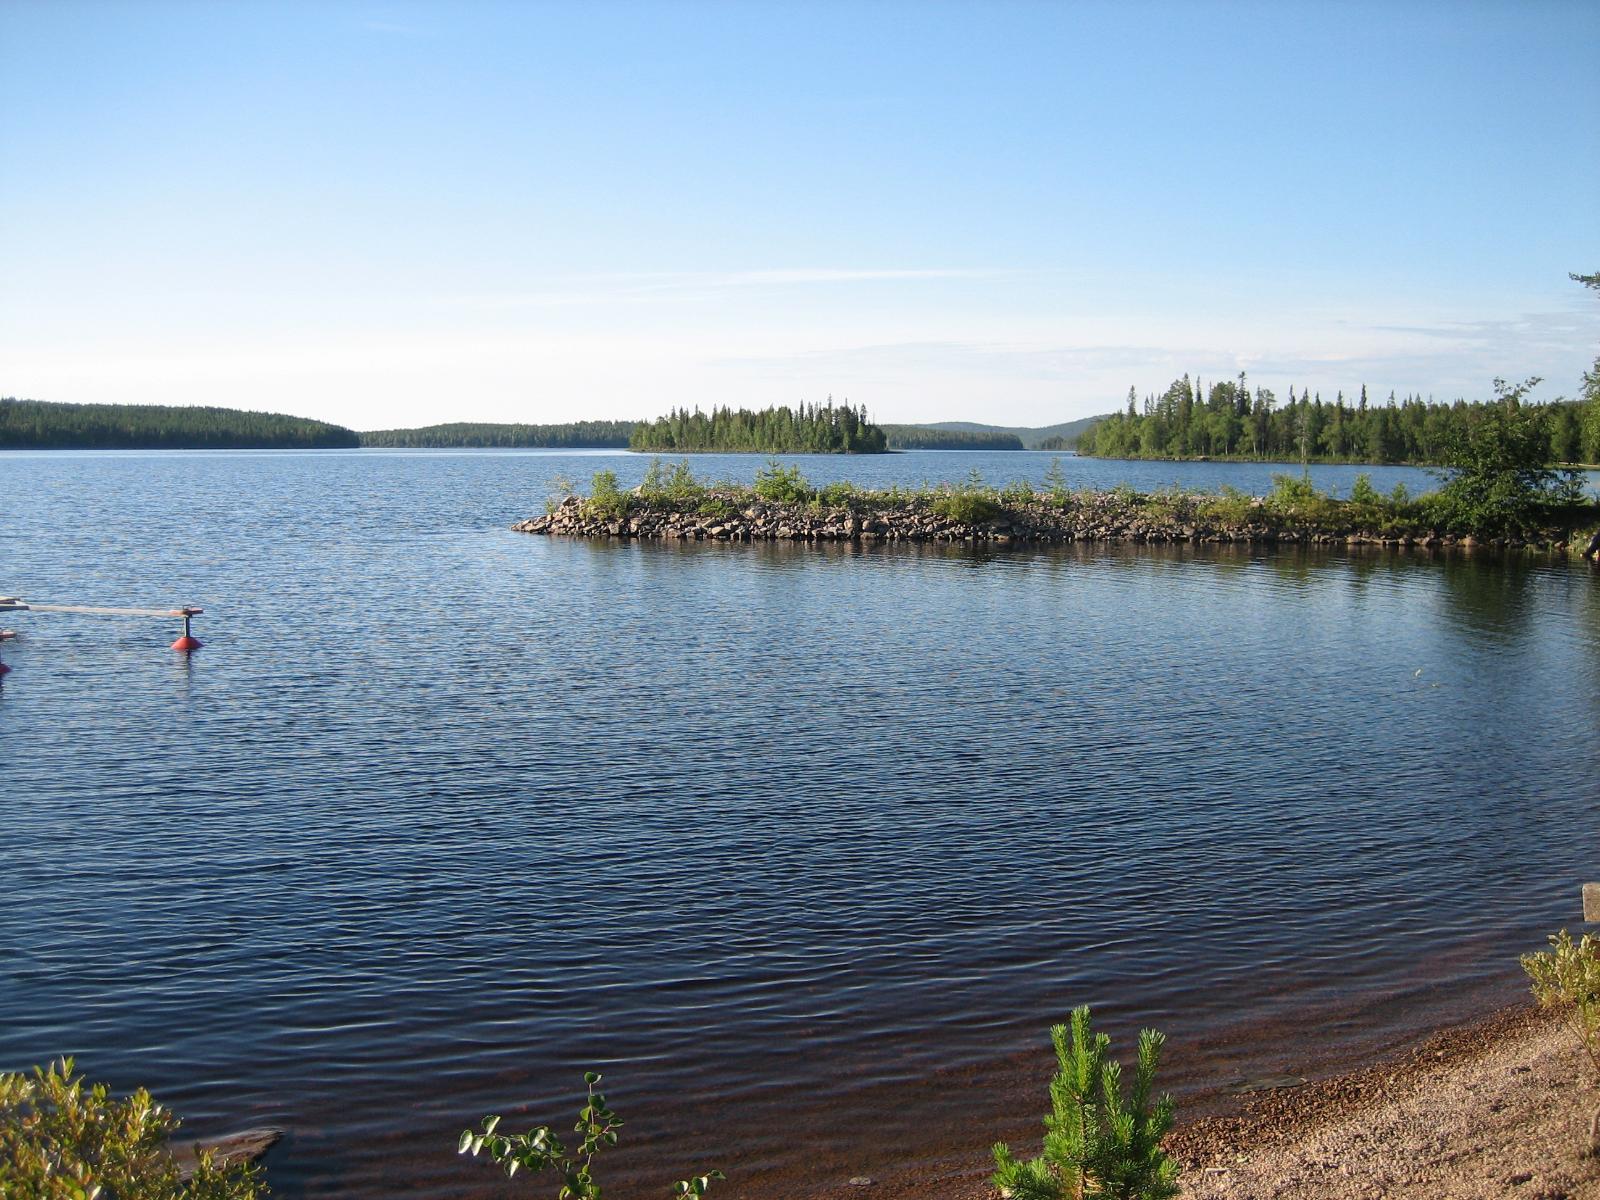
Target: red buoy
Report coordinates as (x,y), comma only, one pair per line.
(187,642)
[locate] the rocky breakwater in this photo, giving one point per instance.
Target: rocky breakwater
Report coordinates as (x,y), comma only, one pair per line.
(732,516)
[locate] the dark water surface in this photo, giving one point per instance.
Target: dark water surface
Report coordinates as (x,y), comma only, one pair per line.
(804,846)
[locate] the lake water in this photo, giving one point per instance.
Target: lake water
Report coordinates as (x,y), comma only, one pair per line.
(804,846)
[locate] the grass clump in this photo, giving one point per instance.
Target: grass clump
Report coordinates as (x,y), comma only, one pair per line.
(61,1139)
(1099,1143)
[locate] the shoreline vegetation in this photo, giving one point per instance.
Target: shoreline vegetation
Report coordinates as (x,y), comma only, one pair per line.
(48,425)
(1231,422)
(1470,510)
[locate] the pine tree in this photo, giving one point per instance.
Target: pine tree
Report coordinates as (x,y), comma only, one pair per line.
(1099,1144)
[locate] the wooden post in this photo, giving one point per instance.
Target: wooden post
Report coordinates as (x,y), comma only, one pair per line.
(1591,902)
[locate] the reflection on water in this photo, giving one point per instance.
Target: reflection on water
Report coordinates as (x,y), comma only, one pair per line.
(793,841)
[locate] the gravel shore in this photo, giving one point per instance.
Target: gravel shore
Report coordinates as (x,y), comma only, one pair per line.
(1499,1108)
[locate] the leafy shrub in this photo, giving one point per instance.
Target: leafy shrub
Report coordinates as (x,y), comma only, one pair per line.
(1099,1144)
(716,506)
(838,495)
(1018,492)
(782,485)
(1363,494)
(1230,507)
(606,500)
(540,1148)
(682,487)
(1295,497)
(1500,482)
(63,1140)
(1170,503)
(1566,978)
(652,486)
(966,507)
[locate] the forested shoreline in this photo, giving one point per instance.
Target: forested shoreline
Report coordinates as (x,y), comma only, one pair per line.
(44,425)
(928,437)
(574,435)
(1231,420)
(805,429)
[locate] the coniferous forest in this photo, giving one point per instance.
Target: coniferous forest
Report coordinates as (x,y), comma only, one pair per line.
(926,437)
(600,435)
(1230,419)
(40,425)
(807,429)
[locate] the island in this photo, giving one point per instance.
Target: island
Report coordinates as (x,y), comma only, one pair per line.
(1479,505)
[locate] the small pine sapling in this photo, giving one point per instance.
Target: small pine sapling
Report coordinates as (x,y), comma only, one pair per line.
(540,1148)
(1099,1144)
(1566,978)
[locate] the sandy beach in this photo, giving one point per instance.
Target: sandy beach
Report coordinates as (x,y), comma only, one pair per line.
(1497,1108)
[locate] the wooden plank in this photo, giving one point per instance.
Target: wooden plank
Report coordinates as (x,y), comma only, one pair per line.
(114,612)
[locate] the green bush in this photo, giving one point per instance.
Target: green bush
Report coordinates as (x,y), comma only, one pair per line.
(838,495)
(540,1148)
(1566,978)
(1099,1144)
(1229,507)
(606,500)
(681,487)
(1363,494)
(63,1140)
(782,485)
(967,507)
(1295,498)
(1018,493)
(1500,482)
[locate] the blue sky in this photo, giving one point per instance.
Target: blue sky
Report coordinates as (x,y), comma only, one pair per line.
(388,214)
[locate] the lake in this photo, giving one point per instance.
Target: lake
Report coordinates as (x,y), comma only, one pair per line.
(804,846)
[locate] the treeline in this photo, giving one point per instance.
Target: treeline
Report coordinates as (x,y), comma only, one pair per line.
(926,437)
(807,429)
(480,434)
(42,425)
(1230,419)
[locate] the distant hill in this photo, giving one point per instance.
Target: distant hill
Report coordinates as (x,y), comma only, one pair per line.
(599,435)
(43,425)
(1032,437)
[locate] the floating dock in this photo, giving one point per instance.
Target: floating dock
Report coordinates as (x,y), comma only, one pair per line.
(186,613)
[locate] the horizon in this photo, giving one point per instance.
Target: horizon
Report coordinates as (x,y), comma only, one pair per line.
(1005,214)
